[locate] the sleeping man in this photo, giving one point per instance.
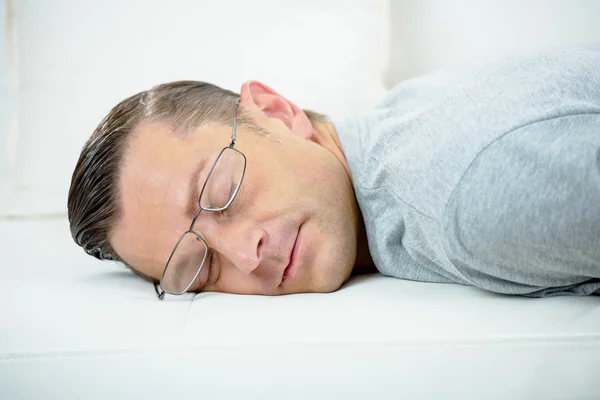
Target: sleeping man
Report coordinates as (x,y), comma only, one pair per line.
(488,176)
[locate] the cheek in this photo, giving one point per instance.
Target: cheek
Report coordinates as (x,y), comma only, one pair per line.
(263,191)
(232,281)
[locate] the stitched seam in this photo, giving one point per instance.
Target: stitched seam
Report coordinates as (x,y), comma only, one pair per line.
(187,314)
(362,188)
(590,340)
(500,137)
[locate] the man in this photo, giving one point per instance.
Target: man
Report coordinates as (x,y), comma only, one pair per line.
(488,177)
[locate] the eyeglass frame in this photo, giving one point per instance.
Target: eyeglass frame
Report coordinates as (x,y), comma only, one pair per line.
(160,292)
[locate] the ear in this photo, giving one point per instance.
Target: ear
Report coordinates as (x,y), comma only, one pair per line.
(259,98)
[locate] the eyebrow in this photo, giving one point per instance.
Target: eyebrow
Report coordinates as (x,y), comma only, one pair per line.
(194,190)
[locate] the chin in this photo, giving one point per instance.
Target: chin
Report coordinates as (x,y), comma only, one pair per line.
(332,262)
(330,286)
(333,280)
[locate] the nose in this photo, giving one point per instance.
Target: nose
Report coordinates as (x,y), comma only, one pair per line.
(240,242)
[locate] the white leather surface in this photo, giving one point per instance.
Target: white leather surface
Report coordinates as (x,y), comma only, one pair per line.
(74,327)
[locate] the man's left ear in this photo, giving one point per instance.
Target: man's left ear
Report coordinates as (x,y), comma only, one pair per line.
(258,97)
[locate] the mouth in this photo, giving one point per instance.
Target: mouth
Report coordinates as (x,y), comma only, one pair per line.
(292,266)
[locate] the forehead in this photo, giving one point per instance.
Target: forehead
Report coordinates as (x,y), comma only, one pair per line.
(154,185)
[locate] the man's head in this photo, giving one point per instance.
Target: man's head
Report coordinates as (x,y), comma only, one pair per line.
(131,194)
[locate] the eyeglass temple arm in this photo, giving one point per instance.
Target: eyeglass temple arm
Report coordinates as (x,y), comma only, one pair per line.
(159,292)
(234,128)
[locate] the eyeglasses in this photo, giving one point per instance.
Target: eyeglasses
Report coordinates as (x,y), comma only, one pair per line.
(191,250)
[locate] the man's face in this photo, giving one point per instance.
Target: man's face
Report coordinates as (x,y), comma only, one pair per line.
(295,193)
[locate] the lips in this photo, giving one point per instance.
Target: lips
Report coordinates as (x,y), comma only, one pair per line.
(293,263)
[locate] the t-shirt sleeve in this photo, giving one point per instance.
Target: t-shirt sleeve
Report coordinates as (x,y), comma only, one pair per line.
(526,214)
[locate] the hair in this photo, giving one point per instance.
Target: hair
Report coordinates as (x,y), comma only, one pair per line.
(93,204)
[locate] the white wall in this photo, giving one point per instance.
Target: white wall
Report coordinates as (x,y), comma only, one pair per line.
(79,58)
(431,34)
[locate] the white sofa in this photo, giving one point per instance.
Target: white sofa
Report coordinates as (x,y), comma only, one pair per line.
(74,327)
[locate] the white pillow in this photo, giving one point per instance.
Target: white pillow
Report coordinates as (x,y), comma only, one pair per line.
(79,59)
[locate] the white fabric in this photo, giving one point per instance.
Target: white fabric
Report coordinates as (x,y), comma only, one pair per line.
(74,327)
(77,59)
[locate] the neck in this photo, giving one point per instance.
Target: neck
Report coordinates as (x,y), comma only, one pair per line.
(364,262)
(326,136)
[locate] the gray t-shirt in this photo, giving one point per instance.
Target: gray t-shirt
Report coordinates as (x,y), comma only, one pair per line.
(487,177)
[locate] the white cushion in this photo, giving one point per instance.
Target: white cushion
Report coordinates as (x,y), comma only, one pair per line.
(78,59)
(433,34)
(75,327)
